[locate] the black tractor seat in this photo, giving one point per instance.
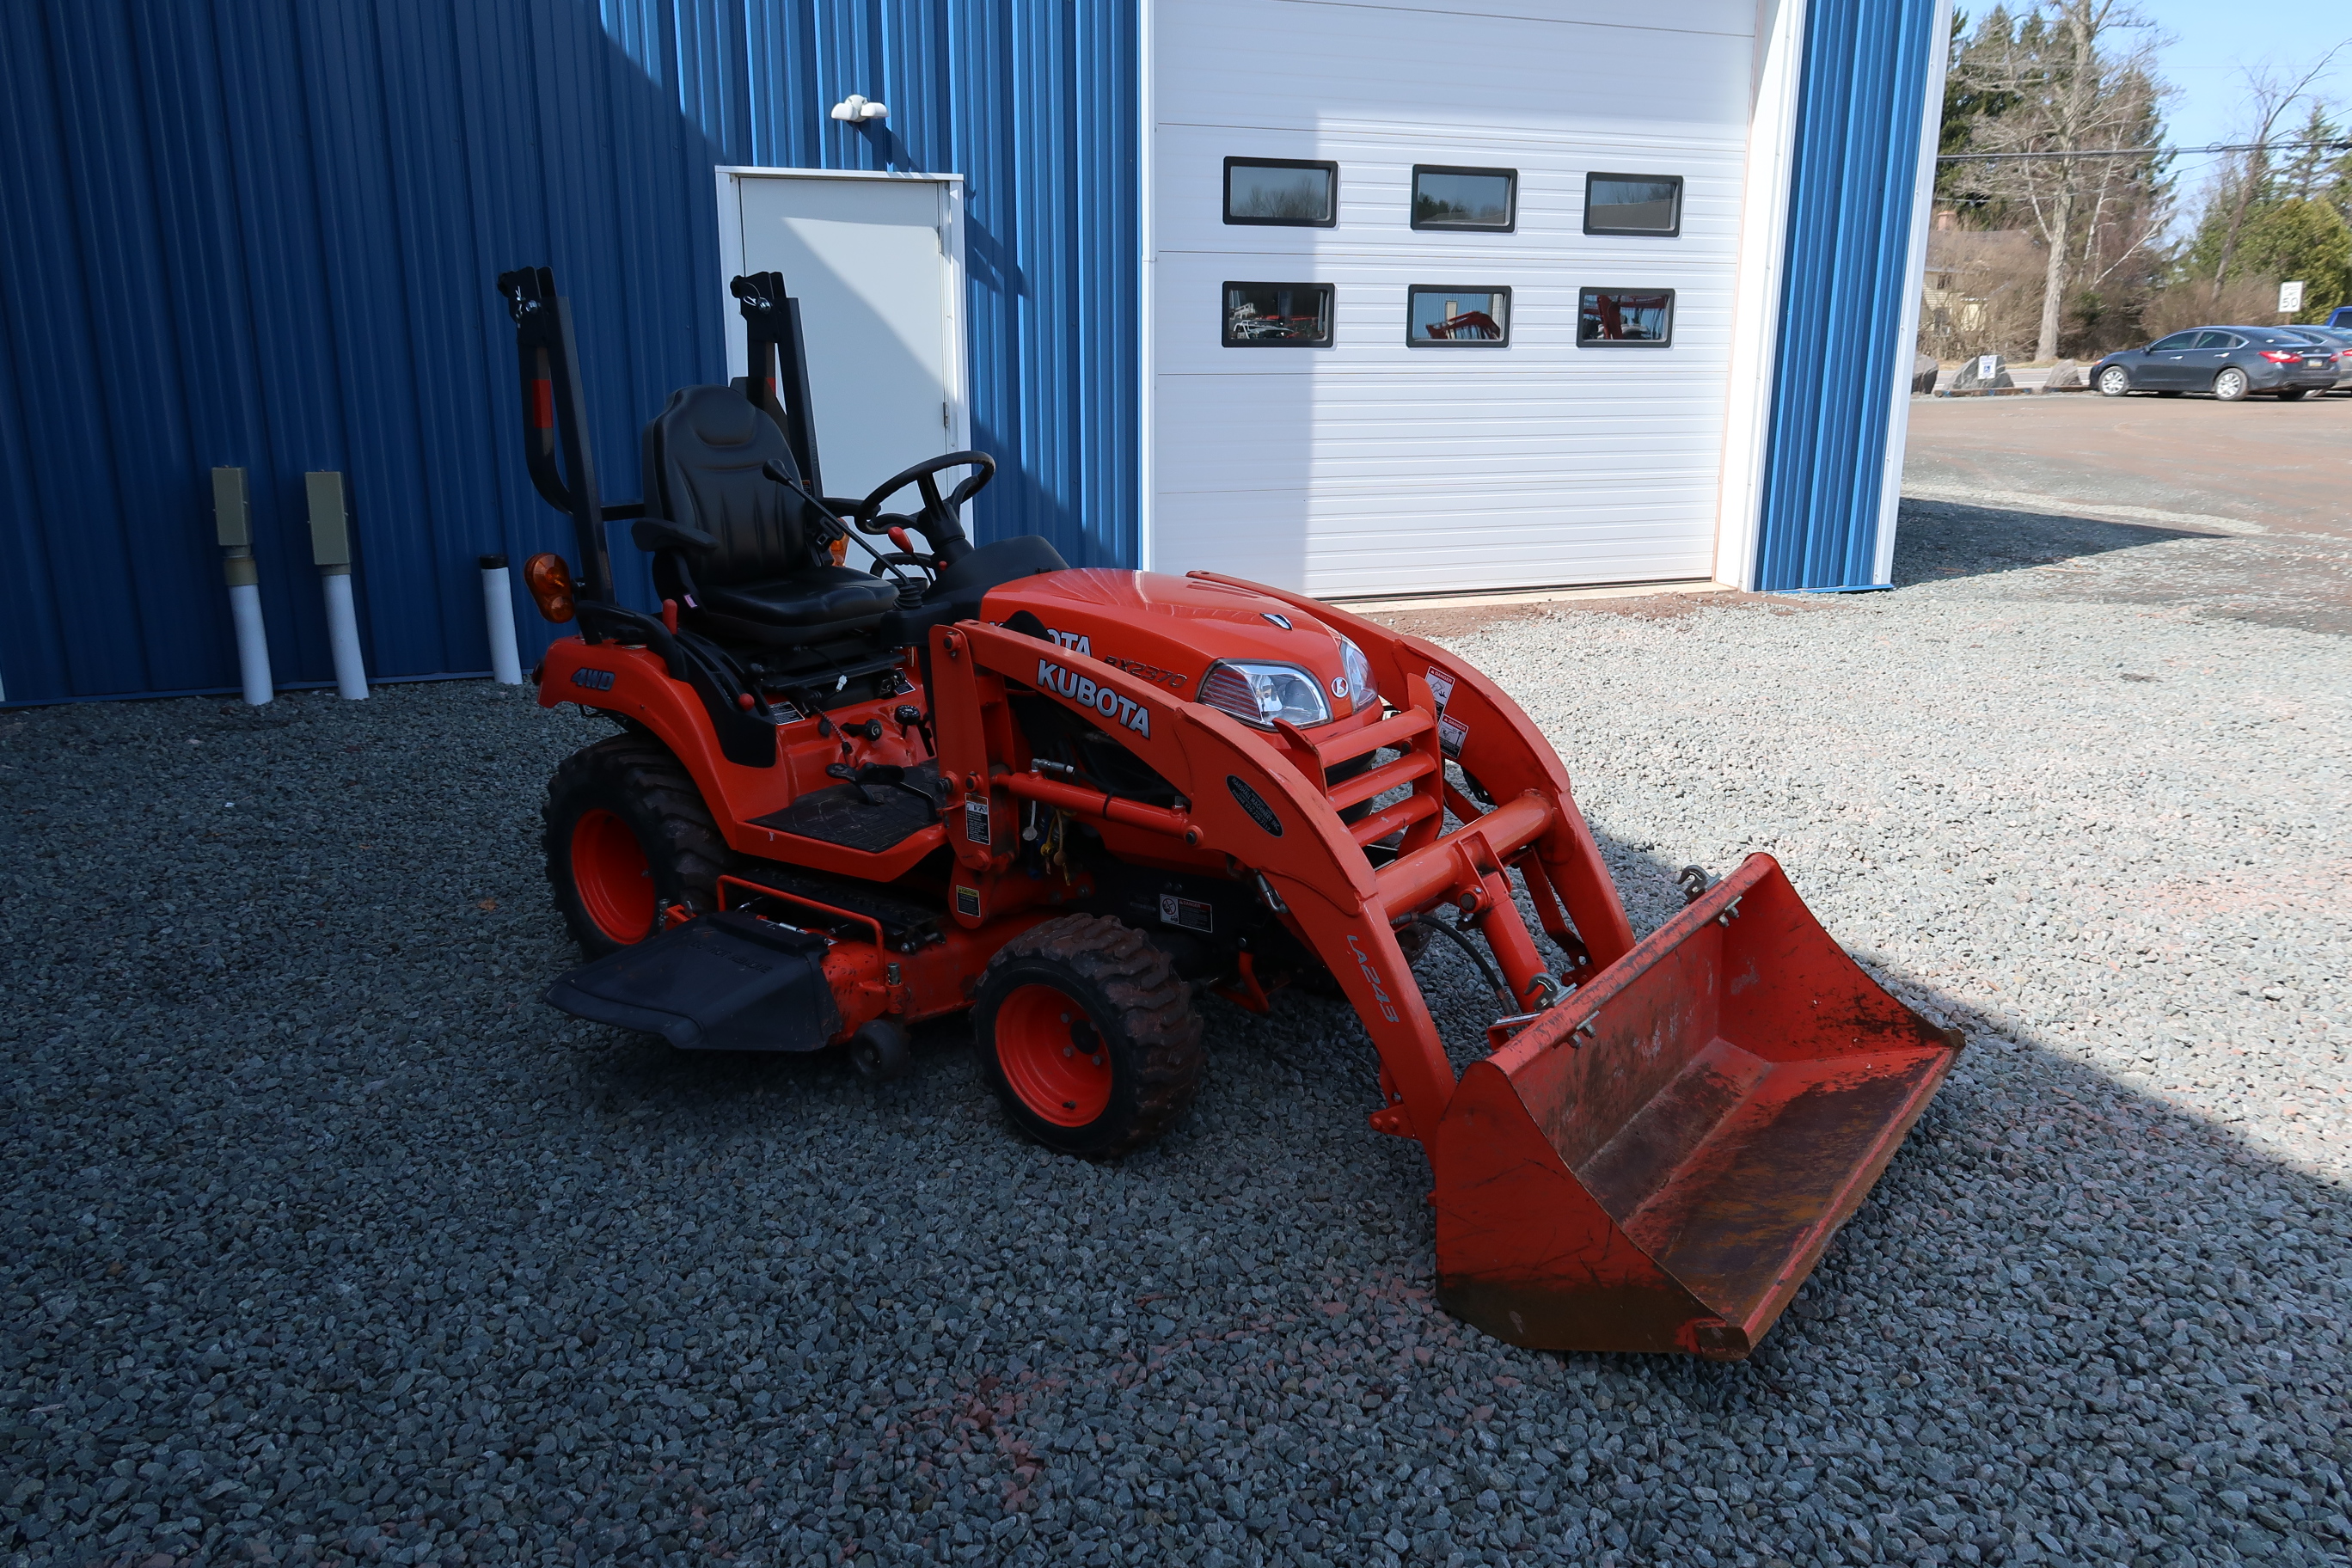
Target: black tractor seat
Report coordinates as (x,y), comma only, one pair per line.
(746,558)
(821,600)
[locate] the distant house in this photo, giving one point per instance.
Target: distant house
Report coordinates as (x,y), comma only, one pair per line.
(1971,275)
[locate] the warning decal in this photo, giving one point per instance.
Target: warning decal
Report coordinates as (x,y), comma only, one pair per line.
(1190,914)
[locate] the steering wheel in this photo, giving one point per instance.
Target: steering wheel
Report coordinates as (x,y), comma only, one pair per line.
(940,522)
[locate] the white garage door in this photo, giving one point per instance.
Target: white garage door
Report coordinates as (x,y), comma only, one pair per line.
(1338,443)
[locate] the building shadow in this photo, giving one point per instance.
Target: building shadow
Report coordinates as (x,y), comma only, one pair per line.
(1937,539)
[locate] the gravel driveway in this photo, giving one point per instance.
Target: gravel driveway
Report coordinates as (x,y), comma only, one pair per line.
(327,1242)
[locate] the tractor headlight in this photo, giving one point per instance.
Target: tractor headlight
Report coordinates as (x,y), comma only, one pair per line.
(1261,693)
(1362,693)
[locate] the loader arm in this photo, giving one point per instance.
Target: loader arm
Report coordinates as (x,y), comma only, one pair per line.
(1260,800)
(1652,1157)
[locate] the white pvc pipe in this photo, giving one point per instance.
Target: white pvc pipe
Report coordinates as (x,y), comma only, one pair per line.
(498,609)
(252,642)
(343,636)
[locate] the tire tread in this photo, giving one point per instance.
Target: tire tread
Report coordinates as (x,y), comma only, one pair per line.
(1155,1010)
(630,766)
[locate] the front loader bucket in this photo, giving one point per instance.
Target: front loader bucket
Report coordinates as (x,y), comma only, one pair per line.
(1656,1163)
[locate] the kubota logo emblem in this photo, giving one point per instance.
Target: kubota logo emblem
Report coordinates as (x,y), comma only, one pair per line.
(593,679)
(1379,993)
(1077,642)
(1082,690)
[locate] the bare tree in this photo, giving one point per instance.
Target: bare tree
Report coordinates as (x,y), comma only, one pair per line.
(2074,82)
(2273,94)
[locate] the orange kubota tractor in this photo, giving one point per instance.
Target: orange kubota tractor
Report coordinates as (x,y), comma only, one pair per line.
(844,800)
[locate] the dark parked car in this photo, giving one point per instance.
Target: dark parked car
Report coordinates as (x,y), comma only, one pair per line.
(2337,341)
(2231,363)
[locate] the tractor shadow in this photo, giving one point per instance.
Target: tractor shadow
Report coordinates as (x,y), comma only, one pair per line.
(2122,1286)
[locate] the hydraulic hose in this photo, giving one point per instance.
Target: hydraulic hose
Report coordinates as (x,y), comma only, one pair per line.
(1485,965)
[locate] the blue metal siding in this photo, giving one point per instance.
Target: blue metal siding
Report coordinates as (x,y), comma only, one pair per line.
(264,236)
(1852,181)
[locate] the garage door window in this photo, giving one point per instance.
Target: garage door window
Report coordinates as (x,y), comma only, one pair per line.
(1278,315)
(1446,198)
(1633,204)
(1608,317)
(1273,191)
(1458,316)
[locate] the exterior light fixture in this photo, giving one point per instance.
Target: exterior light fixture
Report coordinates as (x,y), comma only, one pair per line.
(858,110)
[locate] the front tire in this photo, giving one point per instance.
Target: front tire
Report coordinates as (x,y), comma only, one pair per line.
(628,838)
(1087,1035)
(2113,382)
(2230,385)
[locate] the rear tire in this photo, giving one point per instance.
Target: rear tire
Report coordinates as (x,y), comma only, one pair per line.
(627,838)
(2230,385)
(1087,1035)
(2114,381)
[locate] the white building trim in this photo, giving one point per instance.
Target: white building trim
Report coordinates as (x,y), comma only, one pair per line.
(1763,256)
(1914,262)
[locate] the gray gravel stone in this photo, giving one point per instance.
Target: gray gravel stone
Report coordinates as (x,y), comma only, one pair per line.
(327,1242)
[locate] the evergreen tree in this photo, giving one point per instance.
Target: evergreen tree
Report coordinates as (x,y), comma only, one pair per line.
(2300,240)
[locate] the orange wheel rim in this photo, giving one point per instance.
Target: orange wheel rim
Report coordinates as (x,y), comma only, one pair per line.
(609,869)
(1053,1056)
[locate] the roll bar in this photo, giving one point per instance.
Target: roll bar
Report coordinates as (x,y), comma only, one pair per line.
(555,407)
(777,356)
(554,411)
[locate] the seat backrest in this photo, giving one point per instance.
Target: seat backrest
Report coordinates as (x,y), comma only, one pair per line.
(703,453)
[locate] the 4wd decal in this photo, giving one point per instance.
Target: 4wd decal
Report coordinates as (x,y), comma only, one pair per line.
(1079,689)
(1372,977)
(1254,803)
(593,679)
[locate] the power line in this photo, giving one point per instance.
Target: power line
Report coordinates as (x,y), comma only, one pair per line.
(2341,146)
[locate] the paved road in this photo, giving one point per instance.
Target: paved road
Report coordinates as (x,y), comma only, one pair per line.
(2262,490)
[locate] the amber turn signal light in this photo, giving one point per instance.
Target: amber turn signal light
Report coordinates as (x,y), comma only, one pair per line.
(549,578)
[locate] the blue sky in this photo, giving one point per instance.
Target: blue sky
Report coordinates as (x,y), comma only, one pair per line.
(2210,43)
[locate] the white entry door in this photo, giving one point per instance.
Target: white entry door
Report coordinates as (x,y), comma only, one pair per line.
(875,263)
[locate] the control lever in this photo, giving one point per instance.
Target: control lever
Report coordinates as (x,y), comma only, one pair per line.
(909,589)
